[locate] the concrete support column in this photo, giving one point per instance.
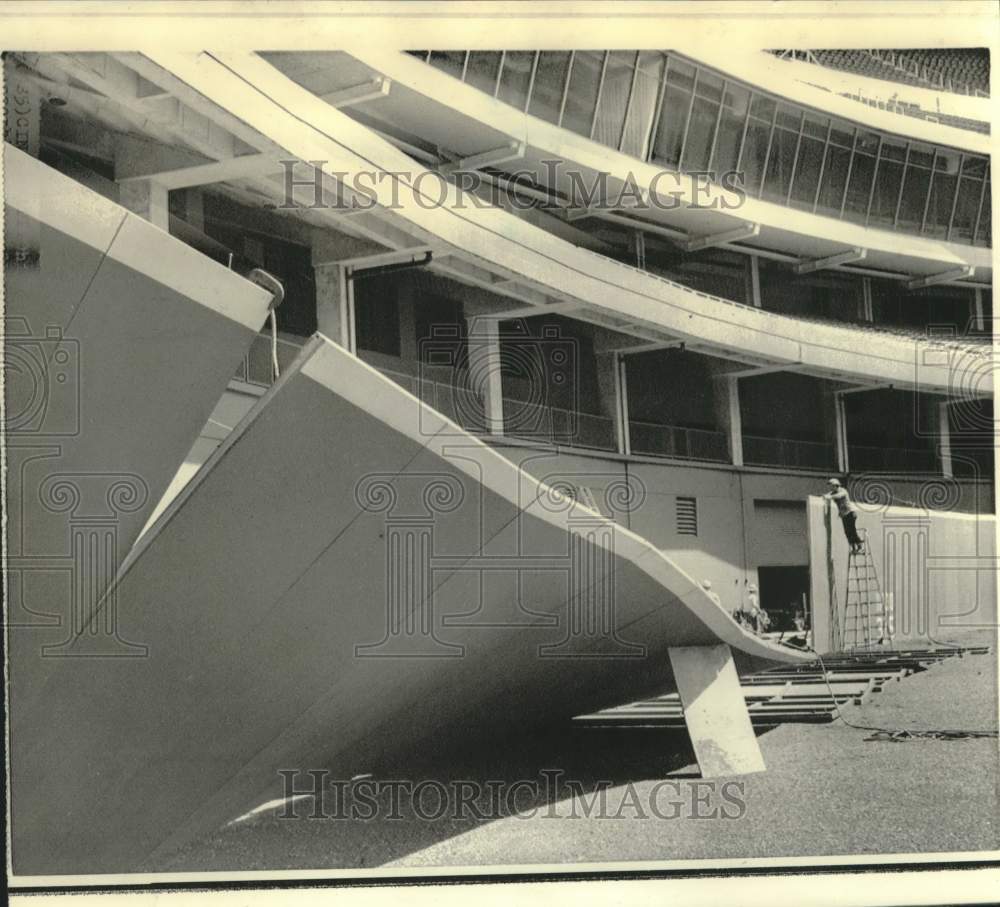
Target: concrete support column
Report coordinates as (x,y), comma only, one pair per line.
(840,435)
(621,405)
(754,281)
(867,312)
(727,406)
(334,312)
(979,318)
(148,199)
(484,370)
(944,439)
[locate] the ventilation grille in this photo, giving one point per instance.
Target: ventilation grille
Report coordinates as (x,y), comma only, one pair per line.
(687,516)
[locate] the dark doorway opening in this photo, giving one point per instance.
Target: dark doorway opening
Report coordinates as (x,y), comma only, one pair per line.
(784,595)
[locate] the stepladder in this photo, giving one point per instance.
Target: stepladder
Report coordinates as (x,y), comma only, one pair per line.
(867,620)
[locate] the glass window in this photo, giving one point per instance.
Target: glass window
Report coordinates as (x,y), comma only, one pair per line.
(673,112)
(701,127)
(984,233)
(581,99)
(614,98)
(888,182)
(735,105)
(966,209)
(862,173)
(482,69)
(916,184)
(376,316)
(807,169)
(550,80)
(781,160)
(755,145)
(449,61)
(835,166)
(516,77)
(943,187)
(643,103)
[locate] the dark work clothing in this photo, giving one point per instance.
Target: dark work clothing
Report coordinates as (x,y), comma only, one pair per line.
(850,521)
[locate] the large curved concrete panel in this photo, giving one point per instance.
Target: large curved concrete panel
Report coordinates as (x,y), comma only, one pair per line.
(119,342)
(348,574)
(264,106)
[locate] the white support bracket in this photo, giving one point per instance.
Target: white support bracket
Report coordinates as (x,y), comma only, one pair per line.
(243,167)
(358,94)
(532,311)
(699,243)
(931,280)
(649,347)
(831,261)
(715,711)
(510,152)
(764,370)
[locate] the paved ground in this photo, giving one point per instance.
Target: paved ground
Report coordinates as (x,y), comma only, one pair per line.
(826,791)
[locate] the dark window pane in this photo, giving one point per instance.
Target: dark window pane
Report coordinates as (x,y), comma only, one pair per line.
(376,315)
(439,326)
(614,98)
(862,174)
(779,165)
(815,127)
(966,209)
(834,178)
(584,80)
(842,134)
(984,233)
(482,69)
(754,154)
(643,103)
(516,77)
(974,166)
(807,173)
(887,183)
(734,114)
(550,80)
(916,183)
(867,143)
(921,155)
(449,61)
(789,117)
(701,129)
(708,85)
(762,107)
(943,188)
(673,113)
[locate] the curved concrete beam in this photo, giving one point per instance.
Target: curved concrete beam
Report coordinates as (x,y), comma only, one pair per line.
(264,104)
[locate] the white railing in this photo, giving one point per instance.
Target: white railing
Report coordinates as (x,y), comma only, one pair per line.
(791,452)
(553,425)
(654,439)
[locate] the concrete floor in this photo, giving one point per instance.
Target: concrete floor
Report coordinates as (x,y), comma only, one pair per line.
(826,791)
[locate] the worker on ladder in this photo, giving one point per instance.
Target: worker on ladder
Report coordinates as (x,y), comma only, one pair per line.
(848,513)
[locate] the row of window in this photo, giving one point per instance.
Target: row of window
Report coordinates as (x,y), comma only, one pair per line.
(663,108)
